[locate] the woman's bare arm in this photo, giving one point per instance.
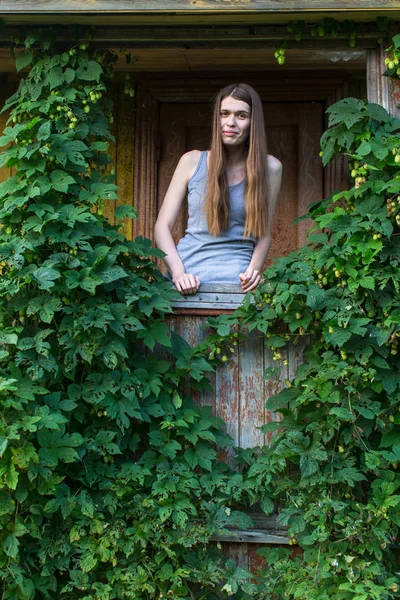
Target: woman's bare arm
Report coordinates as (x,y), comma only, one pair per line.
(252,276)
(185,283)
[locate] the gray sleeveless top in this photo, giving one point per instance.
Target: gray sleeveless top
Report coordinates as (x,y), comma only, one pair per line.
(215,259)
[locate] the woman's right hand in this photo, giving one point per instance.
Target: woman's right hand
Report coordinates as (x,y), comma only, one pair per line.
(186,284)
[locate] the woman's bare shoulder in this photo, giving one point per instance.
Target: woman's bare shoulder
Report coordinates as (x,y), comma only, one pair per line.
(188,162)
(274,165)
(190,158)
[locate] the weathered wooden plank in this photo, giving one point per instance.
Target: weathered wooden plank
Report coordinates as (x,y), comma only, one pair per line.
(212,297)
(273,385)
(159,36)
(109,205)
(279,85)
(205,303)
(251,391)
(227,395)
(336,172)
(6,90)
(238,552)
(232,61)
(296,354)
(125,154)
(310,186)
(145,193)
(253,536)
(221,288)
(380,89)
(193,6)
(265,530)
(14,21)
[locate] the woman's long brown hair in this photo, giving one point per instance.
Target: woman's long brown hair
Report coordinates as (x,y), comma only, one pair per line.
(257,180)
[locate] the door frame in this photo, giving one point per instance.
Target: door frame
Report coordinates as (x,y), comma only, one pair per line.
(155,88)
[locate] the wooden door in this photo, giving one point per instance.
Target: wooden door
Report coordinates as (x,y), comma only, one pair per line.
(293,133)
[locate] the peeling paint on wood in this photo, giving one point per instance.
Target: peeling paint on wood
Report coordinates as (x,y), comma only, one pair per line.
(191,6)
(382,90)
(240,389)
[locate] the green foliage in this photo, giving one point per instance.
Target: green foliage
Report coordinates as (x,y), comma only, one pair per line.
(109,484)
(332,464)
(352,30)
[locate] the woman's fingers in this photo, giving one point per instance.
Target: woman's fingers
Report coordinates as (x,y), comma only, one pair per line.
(187,284)
(250,279)
(252,285)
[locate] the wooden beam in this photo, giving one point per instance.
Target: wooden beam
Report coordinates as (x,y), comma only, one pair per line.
(194,6)
(253,536)
(367,34)
(255,36)
(172,19)
(212,297)
(239,61)
(145,162)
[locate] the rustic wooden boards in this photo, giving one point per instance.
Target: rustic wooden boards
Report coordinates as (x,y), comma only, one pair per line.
(240,390)
(382,90)
(193,6)
(215,297)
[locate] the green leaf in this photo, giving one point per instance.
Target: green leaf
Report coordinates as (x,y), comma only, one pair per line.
(157,332)
(88,562)
(11,477)
(24,58)
(308,465)
(124,211)
(57,447)
(267,505)
(284,398)
(3,445)
(338,337)
(396,41)
(61,180)
(44,131)
(111,273)
(342,413)
(177,400)
(276,341)
(55,77)
(105,190)
(364,149)
(367,282)
(69,75)
(11,546)
(91,71)
(46,276)
(377,111)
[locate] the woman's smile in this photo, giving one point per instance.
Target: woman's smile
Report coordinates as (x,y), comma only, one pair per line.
(235,118)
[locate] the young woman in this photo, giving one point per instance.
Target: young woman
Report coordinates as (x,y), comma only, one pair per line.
(232,191)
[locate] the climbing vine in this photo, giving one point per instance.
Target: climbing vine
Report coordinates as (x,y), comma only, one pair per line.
(331,27)
(332,464)
(110,482)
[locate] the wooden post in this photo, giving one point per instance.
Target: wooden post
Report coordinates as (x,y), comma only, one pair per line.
(380,88)
(145,158)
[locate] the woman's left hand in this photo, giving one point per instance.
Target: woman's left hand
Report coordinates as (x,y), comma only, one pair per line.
(250,279)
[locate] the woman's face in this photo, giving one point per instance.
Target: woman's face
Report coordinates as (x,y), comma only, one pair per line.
(235,119)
